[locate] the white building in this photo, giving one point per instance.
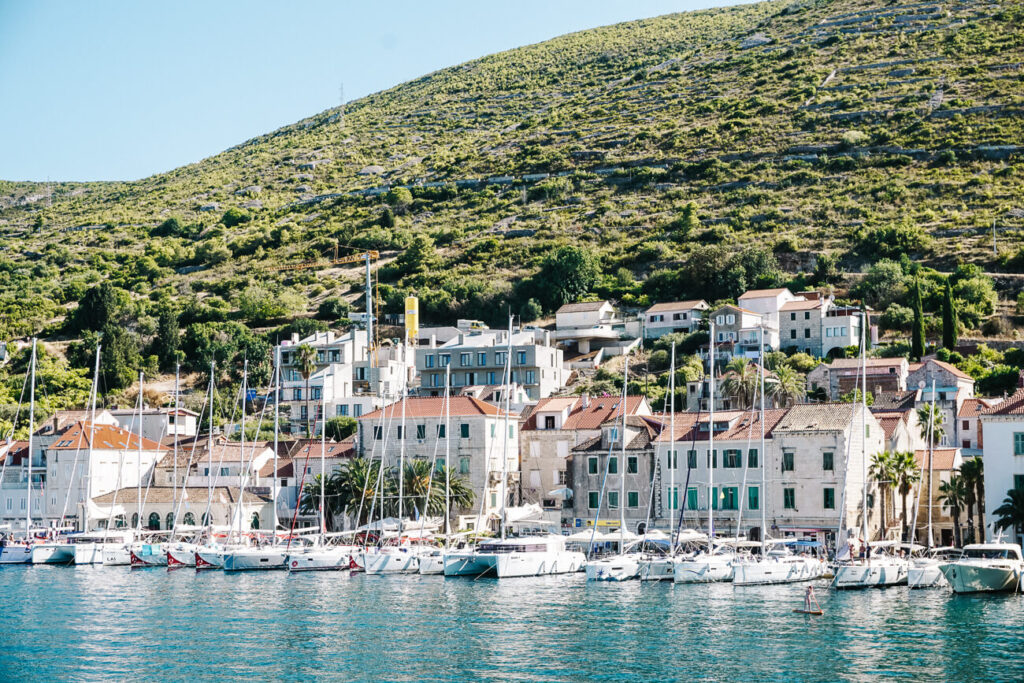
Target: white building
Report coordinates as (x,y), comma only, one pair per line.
(675,316)
(479,358)
(474,432)
(590,331)
(766,302)
(157,423)
(1003,447)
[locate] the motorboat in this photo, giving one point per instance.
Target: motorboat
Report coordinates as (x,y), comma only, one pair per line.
(781,565)
(621,567)
(985,568)
(520,555)
(924,571)
(432,562)
(881,568)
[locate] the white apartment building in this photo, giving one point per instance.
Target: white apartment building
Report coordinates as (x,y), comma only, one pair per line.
(473,431)
(479,358)
(1003,429)
(738,333)
(157,423)
(766,302)
(675,316)
(590,331)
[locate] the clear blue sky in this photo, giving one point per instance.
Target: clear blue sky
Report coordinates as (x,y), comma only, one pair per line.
(118,90)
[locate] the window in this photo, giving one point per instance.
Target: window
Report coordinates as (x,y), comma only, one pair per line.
(189,519)
(792,316)
(494,430)
(732,459)
(223,471)
(792,334)
(720,319)
(787,461)
(492,378)
(549,422)
(445,360)
(691,459)
(442,431)
(632,499)
(632,464)
(1018,483)
(613,500)
(464,430)
(520,357)
(378,433)
(435,380)
(752,499)
(673,498)
(481,358)
(715,496)
(1018,443)
(511,431)
(399,432)
(966,443)
(529,377)
(170,521)
(691,498)
(500,357)
(789,499)
(828,461)
(592,465)
(730,498)
(807,333)
(315,393)
(730,319)
(465,359)
(296,394)
(713,459)
(154,520)
(342,410)
(593,500)
(613,464)
(464,465)
(357,410)
(429,361)
(304,412)
(966,424)
(830,499)
(807,315)
(421,431)
(752,457)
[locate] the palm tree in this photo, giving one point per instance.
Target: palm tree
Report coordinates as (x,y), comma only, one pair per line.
(789,386)
(938,420)
(306,356)
(969,492)
(881,472)
(419,475)
(1010,515)
(310,504)
(953,492)
(355,484)
(906,472)
(741,382)
(973,473)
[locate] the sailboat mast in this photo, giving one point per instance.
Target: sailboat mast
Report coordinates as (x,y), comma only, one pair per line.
(760,453)
(241,453)
(177,404)
(323,469)
(31,430)
(277,402)
(447,454)
(864,426)
(138,457)
(931,460)
(504,453)
(209,452)
(92,432)
(401,454)
(673,458)
(622,472)
(711,442)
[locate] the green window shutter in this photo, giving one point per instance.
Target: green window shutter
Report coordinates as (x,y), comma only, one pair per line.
(827,461)
(830,499)
(752,457)
(591,465)
(613,465)
(464,430)
(633,499)
(789,499)
(691,498)
(593,500)
(1018,443)
(714,499)
(613,500)
(691,459)
(752,501)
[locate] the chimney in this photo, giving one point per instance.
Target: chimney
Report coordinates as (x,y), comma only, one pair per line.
(295,337)
(547,337)
(433,341)
(462,339)
(586,400)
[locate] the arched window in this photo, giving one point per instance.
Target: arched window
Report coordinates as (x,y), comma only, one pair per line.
(154,521)
(135,520)
(120,522)
(189,519)
(170,521)
(255,521)
(206,519)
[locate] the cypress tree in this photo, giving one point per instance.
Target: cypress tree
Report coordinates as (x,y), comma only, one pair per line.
(917,343)
(950,321)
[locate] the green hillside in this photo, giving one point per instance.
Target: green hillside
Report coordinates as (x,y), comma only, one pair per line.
(694,154)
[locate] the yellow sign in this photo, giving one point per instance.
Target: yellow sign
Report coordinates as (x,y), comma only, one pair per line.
(612,523)
(412,318)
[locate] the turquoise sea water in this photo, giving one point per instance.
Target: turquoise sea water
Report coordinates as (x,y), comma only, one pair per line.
(104,623)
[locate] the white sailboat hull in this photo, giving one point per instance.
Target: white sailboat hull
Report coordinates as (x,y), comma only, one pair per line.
(148,555)
(658,569)
(781,570)
(510,565)
(618,568)
(209,558)
(248,559)
(464,563)
(712,569)
(16,554)
(181,555)
(53,553)
(878,574)
(989,577)
(89,553)
(320,559)
(432,563)
(399,561)
(925,575)
(116,556)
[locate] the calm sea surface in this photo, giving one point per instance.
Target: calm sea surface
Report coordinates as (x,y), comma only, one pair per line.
(93,623)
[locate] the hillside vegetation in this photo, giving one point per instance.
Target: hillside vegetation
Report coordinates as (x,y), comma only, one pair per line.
(690,155)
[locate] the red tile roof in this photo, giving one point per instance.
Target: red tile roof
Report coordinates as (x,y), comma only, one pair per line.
(945,459)
(420,407)
(744,426)
(104,437)
(332,449)
(1014,405)
(600,410)
(973,407)
(952,369)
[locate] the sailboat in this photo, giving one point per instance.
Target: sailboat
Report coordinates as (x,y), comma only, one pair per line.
(14,552)
(432,561)
(626,564)
(716,563)
(924,571)
(776,563)
(879,566)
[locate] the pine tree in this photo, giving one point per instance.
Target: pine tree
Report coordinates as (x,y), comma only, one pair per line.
(950,320)
(917,343)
